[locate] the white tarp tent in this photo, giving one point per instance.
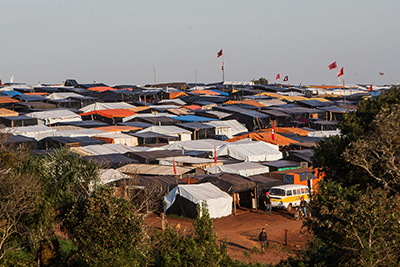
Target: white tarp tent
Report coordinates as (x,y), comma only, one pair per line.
(35,131)
(222,127)
(56,96)
(245,169)
(255,151)
(120,138)
(184,135)
(108,149)
(183,199)
(198,145)
(77,133)
(102,106)
(53,116)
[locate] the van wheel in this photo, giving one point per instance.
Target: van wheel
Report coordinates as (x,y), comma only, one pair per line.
(289,208)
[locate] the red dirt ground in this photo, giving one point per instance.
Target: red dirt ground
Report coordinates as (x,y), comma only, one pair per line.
(242,232)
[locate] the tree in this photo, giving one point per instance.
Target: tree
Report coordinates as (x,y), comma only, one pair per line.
(356,208)
(172,248)
(106,229)
(19,198)
(261,81)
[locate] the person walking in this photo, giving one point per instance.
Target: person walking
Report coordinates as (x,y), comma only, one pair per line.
(263,239)
(267,203)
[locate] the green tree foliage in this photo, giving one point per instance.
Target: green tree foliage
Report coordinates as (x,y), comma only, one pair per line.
(356,208)
(261,81)
(171,248)
(20,195)
(107,231)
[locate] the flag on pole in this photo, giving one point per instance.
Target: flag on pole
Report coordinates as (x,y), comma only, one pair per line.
(12,79)
(219,53)
(332,66)
(215,154)
(173,160)
(341,72)
(278,76)
(222,68)
(273,132)
(286,78)
(370,88)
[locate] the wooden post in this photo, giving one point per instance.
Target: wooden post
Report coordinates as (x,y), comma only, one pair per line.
(163,221)
(234,204)
(286,234)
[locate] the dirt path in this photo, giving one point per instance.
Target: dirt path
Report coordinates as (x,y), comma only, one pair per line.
(242,232)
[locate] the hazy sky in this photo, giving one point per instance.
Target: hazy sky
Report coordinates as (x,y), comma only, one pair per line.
(120,41)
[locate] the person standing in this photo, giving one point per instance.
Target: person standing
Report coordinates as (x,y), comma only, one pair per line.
(267,203)
(263,239)
(303,205)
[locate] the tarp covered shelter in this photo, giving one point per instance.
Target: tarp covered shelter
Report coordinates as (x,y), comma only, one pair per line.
(53,142)
(184,135)
(118,138)
(199,130)
(110,116)
(245,169)
(36,131)
(101,106)
(253,120)
(114,161)
(54,116)
(229,182)
(147,138)
(258,151)
(229,128)
(152,157)
(183,200)
(18,140)
(282,165)
(152,169)
(265,136)
(14,121)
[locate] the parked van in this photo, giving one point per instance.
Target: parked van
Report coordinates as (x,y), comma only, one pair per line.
(288,196)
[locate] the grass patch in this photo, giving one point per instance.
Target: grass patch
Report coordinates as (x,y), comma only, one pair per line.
(67,246)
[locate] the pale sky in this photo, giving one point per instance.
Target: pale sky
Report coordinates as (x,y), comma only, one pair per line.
(119,41)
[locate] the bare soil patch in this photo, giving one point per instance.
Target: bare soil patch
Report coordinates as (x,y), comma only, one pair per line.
(242,232)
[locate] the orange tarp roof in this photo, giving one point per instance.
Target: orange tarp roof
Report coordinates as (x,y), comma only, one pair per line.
(102,88)
(294,97)
(204,92)
(6,99)
(7,113)
(265,136)
(272,94)
(176,94)
(298,131)
(36,94)
(120,128)
(247,102)
(111,113)
(192,107)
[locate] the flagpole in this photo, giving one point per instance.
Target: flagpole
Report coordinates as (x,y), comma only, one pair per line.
(344,90)
(337,71)
(223,70)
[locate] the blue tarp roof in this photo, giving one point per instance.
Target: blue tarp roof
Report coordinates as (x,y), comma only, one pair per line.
(220,92)
(11,93)
(193,118)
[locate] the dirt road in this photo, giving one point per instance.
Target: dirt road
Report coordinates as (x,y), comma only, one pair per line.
(242,232)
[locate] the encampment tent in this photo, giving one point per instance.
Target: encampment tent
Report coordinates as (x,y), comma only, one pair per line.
(183,199)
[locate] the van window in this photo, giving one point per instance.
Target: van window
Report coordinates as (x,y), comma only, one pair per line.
(306,190)
(289,192)
(302,191)
(277,192)
(298,191)
(294,192)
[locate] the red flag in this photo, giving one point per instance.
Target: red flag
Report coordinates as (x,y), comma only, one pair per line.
(341,72)
(219,53)
(173,160)
(286,78)
(215,154)
(333,66)
(370,88)
(222,68)
(278,76)
(273,132)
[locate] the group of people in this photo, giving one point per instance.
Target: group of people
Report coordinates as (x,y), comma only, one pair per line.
(267,203)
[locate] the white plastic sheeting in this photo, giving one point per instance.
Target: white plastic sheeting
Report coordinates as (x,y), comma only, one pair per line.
(54,116)
(120,138)
(110,149)
(219,203)
(221,127)
(183,134)
(110,175)
(245,169)
(323,133)
(77,133)
(35,131)
(258,151)
(102,106)
(55,96)
(197,145)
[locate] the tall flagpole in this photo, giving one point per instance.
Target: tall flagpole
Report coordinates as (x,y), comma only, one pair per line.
(223,70)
